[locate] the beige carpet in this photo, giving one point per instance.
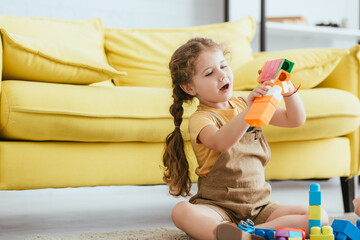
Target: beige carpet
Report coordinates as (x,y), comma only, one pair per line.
(143,234)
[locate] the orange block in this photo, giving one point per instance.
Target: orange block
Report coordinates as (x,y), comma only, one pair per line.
(261,111)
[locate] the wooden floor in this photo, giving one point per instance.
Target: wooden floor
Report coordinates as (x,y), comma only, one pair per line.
(104,209)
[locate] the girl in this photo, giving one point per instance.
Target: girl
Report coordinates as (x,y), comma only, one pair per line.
(231,155)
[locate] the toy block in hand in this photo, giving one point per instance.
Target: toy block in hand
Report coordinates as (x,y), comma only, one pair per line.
(262,109)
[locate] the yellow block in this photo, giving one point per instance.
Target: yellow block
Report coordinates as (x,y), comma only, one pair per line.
(314,212)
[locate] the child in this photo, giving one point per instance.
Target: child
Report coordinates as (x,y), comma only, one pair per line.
(231,155)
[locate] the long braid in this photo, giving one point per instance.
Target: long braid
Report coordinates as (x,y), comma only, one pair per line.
(176,173)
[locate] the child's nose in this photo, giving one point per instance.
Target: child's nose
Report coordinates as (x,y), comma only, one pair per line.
(222,76)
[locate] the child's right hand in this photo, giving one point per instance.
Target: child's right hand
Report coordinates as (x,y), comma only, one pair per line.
(259,91)
(356,203)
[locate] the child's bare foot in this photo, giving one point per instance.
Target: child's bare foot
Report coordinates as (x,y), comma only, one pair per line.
(229,231)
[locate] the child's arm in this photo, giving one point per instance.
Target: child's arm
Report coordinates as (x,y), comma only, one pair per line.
(293,115)
(223,139)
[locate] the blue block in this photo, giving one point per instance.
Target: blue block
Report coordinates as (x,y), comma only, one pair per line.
(340,236)
(295,234)
(247,226)
(268,234)
(314,223)
(314,194)
(343,228)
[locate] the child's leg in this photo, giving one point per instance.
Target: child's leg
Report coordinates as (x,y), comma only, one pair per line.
(199,221)
(292,216)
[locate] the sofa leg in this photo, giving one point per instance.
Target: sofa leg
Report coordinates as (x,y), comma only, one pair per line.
(348,193)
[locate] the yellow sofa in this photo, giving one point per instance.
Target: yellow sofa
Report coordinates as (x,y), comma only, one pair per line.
(64,123)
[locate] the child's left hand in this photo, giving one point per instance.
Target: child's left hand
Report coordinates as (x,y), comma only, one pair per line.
(259,91)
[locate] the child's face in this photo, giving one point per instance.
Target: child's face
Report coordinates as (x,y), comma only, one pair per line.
(213,80)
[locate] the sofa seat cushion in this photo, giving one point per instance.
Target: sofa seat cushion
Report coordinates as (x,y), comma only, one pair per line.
(39,111)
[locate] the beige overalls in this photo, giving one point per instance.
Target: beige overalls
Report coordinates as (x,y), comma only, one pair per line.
(235,187)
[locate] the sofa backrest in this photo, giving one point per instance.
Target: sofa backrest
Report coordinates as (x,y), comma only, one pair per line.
(48,50)
(145,53)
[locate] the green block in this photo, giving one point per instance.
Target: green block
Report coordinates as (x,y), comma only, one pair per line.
(287,65)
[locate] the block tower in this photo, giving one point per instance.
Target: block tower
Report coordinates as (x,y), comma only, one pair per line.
(314,206)
(263,108)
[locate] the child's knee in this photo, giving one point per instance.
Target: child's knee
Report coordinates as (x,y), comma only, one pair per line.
(179,212)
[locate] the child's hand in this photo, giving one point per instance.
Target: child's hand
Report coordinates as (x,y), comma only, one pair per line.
(259,91)
(291,89)
(356,203)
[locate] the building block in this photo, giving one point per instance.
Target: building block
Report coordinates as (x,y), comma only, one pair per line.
(315,212)
(269,70)
(345,230)
(262,112)
(281,234)
(267,234)
(325,234)
(247,226)
(262,109)
(314,194)
(293,232)
(314,223)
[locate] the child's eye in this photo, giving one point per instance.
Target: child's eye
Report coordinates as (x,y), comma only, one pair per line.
(208,74)
(223,66)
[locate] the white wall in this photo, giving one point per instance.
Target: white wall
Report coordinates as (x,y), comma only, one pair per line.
(122,13)
(185,13)
(181,13)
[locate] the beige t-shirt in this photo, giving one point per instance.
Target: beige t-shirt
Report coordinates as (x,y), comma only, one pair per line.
(200,119)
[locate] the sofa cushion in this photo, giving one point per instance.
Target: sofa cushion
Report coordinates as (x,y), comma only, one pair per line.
(311,67)
(145,53)
(54,51)
(61,112)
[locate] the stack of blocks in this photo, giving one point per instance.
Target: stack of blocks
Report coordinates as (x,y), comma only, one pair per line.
(315,231)
(314,206)
(263,108)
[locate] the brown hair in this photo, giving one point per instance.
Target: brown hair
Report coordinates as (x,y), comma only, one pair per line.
(182,70)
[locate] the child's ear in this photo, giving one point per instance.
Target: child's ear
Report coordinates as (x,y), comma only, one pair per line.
(189,89)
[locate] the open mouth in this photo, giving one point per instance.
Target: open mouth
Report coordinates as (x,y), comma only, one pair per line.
(225,87)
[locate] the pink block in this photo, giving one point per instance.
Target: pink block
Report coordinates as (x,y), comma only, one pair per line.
(270,70)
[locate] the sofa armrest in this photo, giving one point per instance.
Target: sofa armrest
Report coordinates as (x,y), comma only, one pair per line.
(345,75)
